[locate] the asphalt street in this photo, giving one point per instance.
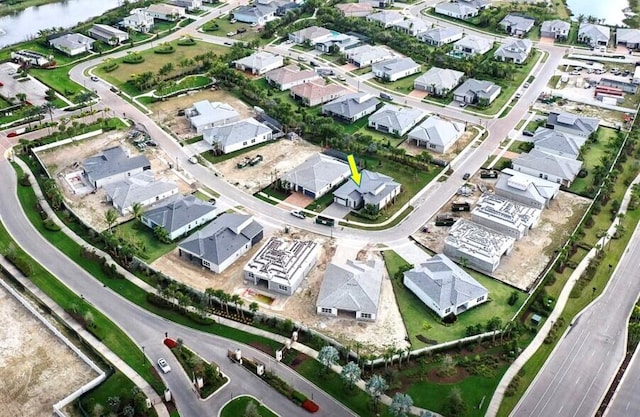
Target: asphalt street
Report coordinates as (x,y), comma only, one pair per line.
(625,400)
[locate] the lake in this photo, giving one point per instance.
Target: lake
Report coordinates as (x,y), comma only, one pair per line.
(68,13)
(609,10)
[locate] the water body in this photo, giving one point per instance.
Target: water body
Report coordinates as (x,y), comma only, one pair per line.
(609,10)
(67,13)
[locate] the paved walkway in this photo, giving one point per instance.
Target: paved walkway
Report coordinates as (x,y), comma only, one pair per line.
(533,347)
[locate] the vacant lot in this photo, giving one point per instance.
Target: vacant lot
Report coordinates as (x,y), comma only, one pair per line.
(531,253)
(607,117)
(165,112)
(36,369)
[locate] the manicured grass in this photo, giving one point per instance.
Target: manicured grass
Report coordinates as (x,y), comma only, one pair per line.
(134,230)
(403,86)
(361,71)
(352,128)
(520,147)
(321,203)
(389,225)
(273,92)
(35,46)
(58,79)
(416,314)
(591,154)
(238,405)
(116,385)
(226,26)
(381,138)
(196,81)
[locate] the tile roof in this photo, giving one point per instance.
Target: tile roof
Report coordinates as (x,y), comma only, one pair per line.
(179,213)
(438,131)
(317,172)
(394,65)
(547,163)
(440,78)
(396,117)
(440,34)
(289,74)
(235,132)
(351,105)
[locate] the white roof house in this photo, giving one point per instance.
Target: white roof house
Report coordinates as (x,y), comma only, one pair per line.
(318,175)
(472,45)
(526,189)
(505,216)
(282,264)
(438,81)
(557,29)
(72,44)
(516,25)
(353,287)
(365,55)
(395,69)
(440,36)
(548,166)
(259,62)
(628,37)
(480,246)
(108,34)
(239,135)
(445,287)
(386,18)
(355,9)
(594,35)
(139,20)
(375,189)
(142,189)
(311,34)
(206,114)
(289,76)
(166,12)
(458,10)
(411,26)
(436,134)
(558,142)
(394,119)
(514,50)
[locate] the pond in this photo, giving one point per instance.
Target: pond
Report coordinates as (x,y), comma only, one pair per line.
(610,10)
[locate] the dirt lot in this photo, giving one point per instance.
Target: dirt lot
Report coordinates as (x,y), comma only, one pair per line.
(533,251)
(460,145)
(607,117)
(91,207)
(36,368)
(279,158)
(301,306)
(165,112)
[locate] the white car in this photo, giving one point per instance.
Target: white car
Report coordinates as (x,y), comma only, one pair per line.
(193,159)
(94,78)
(164,366)
(298,214)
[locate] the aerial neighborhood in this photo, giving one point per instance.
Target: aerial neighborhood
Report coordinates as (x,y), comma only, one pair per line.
(361,208)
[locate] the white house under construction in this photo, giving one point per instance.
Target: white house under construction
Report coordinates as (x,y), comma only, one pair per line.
(505,216)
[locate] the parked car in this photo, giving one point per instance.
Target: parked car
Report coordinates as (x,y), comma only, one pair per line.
(575,72)
(386,96)
(114,90)
(297,213)
(466,176)
(526,85)
(193,159)
(94,78)
(341,77)
(518,95)
(164,366)
(232,34)
(527,133)
(232,21)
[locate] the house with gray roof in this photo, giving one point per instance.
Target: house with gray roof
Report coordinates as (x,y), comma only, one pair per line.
(526,189)
(395,69)
(438,81)
(139,20)
(395,119)
(548,166)
(627,87)
(289,76)
(481,246)
(557,142)
(222,242)
(72,44)
(353,287)
(108,34)
(572,123)
(207,114)
(411,26)
(458,10)
(141,189)
(440,36)
(516,25)
(556,29)
(375,189)
(444,287)
(317,176)
(113,164)
(180,216)
(478,92)
(235,136)
(351,107)
(594,35)
(257,13)
(282,264)
(436,134)
(311,34)
(628,37)
(385,18)
(365,55)
(505,216)
(514,50)
(471,45)
(338,40)
(259,62)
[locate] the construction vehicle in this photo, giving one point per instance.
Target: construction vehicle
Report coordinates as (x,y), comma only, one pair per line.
(255,160)
(243,163)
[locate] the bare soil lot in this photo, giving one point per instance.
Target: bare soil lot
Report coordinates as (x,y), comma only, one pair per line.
(607,117)
(299,307)
(460,145)
(165,112)
(278,158)
(36,369)
(531,253)
(91,207)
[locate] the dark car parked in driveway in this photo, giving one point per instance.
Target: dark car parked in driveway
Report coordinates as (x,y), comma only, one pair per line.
(527,133)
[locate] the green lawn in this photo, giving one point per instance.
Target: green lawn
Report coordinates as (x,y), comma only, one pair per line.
(225,26)
(403,86)
(58,79)
(237,407)
(35,46)
(273,92)
(116,385)
(520,147)
(381,138)
(592,153)
(416,314)
(195,81)
(134,230)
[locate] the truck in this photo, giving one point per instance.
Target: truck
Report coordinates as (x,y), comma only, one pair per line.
(460,206)
(255,160)
(325,221)
(489,173)
(243,163)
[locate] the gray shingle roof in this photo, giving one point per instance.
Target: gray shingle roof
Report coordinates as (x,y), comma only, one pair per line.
(394,65)
(414,25)
(317,172)
(374,187)
(582,124)
(112,161)
(595,33)
(386,17)
(557,141)
(236,132)
(516,22)
(439,34)
(437,131)
(107,31)
(456,9)
(137,188)
(441,78)
(549,164)
(179,213)
(479,88)
(350,105)
(352,287)
(221,238)
(475,43)
(555,26)
(516,49)
(627,35)
(71,41)
(396,117)
(445,282)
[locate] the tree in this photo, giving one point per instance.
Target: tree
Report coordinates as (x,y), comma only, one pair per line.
(110,217)
(161,234)
(254,307)
(137,210)
(455,406)
(128,411)
(21,97)
(328,356)
(113,403)
(376,386)
(235,298)
(239,305)
(350,374)
(224,299)
(401,405)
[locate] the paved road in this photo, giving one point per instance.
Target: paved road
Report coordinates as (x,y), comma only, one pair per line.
(578,373)
(625,400)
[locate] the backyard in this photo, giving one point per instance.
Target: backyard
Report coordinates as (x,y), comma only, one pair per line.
(592,154)
(402,86)
(135,231)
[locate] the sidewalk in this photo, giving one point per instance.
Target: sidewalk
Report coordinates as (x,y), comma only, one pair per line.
(533,347)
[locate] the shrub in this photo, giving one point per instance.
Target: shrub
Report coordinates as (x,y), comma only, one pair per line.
(513,298)
(298,396)
(310,406)
(24,180)
(164,49)
(186,41)
(134,58)
(20,263)
(112,66)
(51,225)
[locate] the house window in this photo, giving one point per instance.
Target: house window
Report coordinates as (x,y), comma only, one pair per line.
(244,143)
(283,288)
(206,264)
(365,315)
(251,275)
(326,310)
(480,299)
(253,141)
(432,146)
(447,310)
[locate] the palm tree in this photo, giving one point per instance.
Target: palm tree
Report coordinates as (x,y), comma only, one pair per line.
(239,304)
(209,292)
(224,299)
(401,405)
(253,307)
(376,386)
(350,374)
(235,298)
(137,210)
(328,356)
(110,217)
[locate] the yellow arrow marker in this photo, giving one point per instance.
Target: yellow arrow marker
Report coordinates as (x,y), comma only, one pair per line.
(355,175)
